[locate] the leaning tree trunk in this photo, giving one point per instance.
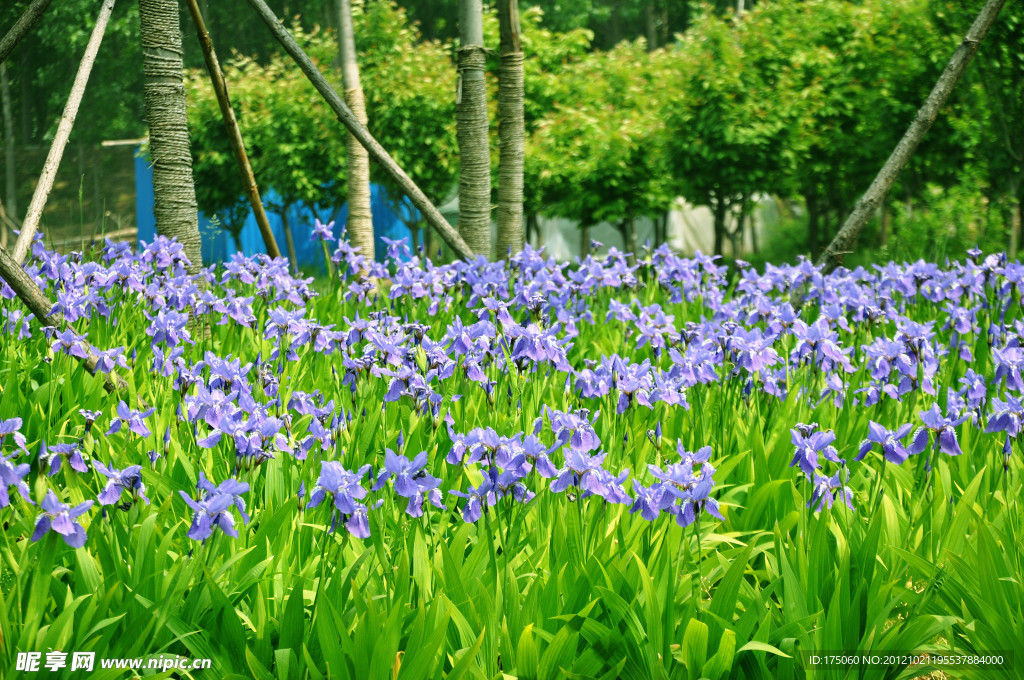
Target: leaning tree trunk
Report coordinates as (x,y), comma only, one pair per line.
(471,120)
(832,256)
(360,219)
(511,132)
(22,27)
(174,193)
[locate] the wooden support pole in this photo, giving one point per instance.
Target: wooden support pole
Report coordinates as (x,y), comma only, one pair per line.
(832,256)
(37,303)
(67,121)
(234,133)
(429,211)
(21,27)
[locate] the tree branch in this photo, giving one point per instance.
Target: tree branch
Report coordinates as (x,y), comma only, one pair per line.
(21,27)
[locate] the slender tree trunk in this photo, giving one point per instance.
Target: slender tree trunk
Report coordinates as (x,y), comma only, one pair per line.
(813,242)
(471,119)
(665,32)
(60,140)
(236,236)
(234,133)
(741,225)
(1015,219)
(360,219)
(832,256)
(884,220)
(289,240)
(651,25)
(533,235)
(11,189)
(174,192)
(627,228)
(511,132)
(719,208)
(584,241)
(21,27)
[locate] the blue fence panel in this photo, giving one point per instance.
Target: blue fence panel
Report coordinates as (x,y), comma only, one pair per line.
(218,245)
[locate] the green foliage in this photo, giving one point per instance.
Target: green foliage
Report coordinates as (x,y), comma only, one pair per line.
(596,156)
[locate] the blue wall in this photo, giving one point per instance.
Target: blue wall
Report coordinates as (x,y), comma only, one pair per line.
(218,245)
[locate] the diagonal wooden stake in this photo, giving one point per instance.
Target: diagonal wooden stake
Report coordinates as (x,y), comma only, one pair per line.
(67,121)
(234,133)
(430,212)
(843,242)
(21,27)
(30,294)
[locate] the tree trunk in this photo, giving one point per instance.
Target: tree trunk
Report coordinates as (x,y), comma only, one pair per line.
(174,192)
(471,119)
(289,240)
(1015,218)
(884,219)
(719,208)
(511,132)
(236,236)
(813,243)
(21,27)
(832,256)
(651,25)
(736,238)
(357,161)
(627,228)
(753,232)
(584,242)
(11,189)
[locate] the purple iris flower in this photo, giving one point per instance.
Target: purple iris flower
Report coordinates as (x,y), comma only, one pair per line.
(213,507)
(408,474)
(476,499)
(345,489)
(90,417)
(134,419)
(322,231)
(13,475)
(580,471)
(129,479)
(944,429)
(61,518)
(827,488)
(575,428)
(53,456)
(809,446)
(649,501)
(11,428)
(889,440)
(71,343)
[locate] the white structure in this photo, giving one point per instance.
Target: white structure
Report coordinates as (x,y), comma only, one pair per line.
(690,228)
